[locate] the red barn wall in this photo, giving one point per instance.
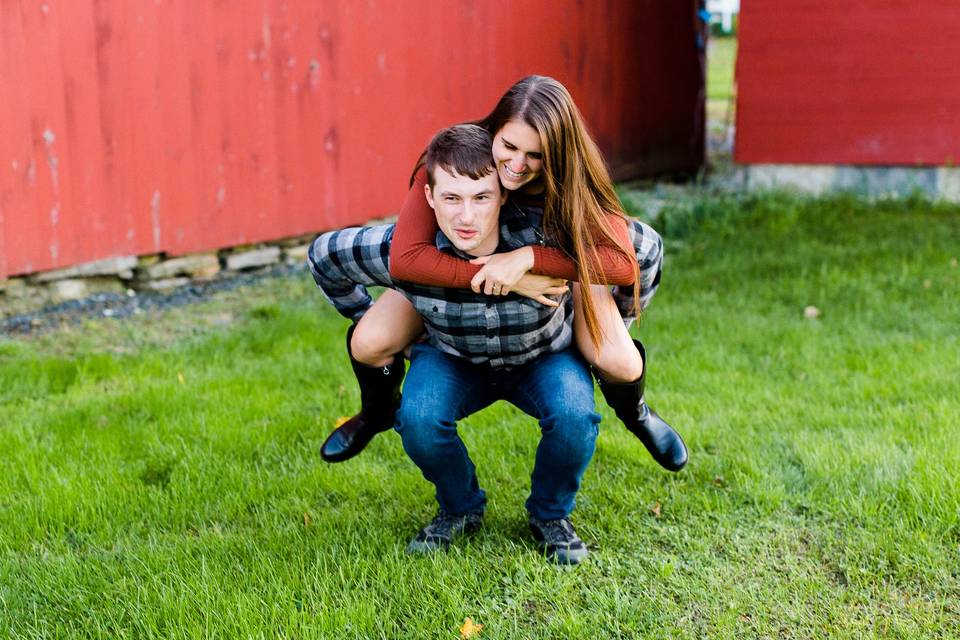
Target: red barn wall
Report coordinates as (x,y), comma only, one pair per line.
(145,126)
(871,82)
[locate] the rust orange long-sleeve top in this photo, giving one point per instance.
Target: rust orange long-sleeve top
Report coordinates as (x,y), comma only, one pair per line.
(414,256)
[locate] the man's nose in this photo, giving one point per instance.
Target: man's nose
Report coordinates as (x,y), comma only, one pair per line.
(467,214)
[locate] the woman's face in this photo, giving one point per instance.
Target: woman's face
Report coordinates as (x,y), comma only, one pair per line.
(518,154)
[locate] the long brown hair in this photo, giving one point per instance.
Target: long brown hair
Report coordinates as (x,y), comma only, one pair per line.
(577,187)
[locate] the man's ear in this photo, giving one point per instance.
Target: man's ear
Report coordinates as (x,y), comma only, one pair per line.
(427,192)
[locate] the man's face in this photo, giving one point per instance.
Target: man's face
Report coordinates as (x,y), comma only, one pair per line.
(468,210)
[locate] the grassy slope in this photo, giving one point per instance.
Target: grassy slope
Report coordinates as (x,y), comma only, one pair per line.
(822,497)
(721,56)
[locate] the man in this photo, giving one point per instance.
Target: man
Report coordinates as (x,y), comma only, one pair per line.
(479,349)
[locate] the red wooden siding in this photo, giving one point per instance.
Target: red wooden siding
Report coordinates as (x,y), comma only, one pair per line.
(873,82)
(143,126)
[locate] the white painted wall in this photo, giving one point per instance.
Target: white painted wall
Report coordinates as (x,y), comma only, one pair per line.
(722,12)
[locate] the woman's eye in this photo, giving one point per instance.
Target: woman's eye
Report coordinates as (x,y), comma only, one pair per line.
(536,156)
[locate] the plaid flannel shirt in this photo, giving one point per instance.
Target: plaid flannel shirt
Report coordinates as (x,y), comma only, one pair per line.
(502,331)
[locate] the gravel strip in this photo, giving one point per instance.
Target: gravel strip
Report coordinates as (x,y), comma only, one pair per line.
(118,305)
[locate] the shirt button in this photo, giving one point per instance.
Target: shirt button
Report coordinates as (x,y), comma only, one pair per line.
(491,333)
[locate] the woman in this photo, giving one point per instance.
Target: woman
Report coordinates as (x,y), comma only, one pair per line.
(546,160)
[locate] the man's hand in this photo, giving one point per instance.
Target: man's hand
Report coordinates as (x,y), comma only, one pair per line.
(537,287)
(501,271)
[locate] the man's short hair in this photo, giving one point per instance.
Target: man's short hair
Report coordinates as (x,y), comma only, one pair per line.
(465,149)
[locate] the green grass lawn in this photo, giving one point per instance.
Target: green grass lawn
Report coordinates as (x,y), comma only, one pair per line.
(721,102)
(721,58)
(161,476)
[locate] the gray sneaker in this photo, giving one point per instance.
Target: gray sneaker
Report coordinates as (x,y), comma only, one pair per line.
(559,540)
(442,530)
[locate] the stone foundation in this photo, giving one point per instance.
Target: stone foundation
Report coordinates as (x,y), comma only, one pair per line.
(132,274)
(936,183)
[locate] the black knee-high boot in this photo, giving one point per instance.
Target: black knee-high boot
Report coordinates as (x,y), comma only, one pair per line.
(379,401)
(664,444)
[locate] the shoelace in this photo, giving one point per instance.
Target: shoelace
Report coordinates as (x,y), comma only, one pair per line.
(442,525)
(558,531)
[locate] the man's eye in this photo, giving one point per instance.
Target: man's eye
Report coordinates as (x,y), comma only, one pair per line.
(483,197)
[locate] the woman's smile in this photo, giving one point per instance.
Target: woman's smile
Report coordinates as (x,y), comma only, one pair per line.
(519,154)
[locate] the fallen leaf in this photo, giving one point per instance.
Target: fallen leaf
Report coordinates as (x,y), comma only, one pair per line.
(470,629)
(953,262)
(927,284)
(181,378)
(719,481)
(340,421)
(655,509)
(306,519)
(811,312)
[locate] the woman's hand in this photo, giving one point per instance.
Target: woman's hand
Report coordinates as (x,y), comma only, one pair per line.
(501,271)
(537,287)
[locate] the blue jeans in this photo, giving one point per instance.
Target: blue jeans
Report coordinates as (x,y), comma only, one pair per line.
(556,389)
